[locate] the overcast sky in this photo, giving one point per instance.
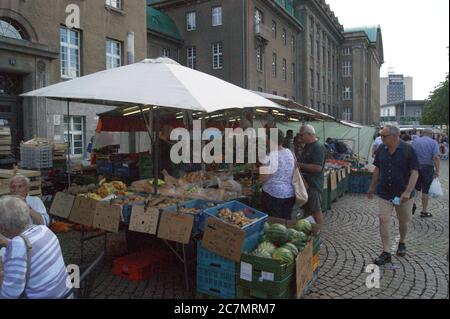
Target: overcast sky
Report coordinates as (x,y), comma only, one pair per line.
(415,36)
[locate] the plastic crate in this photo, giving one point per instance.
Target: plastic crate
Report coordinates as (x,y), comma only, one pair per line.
(280,271)
(214,282)
(249,293)
(316,245)
(207,258)
(269,287)
(315,262)
(316,274)
(359,183)
(104,167)
(126,170)
(200,218)
(36,157)
(142,265)
(255,227)
(324,201)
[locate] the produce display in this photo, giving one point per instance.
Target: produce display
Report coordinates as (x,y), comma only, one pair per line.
(282,243)
(235,218)
(129,200)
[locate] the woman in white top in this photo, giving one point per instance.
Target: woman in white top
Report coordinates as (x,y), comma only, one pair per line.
(278,196)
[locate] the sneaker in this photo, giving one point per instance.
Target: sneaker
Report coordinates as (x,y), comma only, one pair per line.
(384,258)
(401,251)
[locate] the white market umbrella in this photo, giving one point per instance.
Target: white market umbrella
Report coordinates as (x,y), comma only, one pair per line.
(158,82)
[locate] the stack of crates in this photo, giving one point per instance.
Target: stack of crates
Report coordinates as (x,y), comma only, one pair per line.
(36,156)
(270,279)
(216,275)
(359,182)
(145,166)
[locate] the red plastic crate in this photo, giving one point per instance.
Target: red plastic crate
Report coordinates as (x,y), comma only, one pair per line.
(142,265)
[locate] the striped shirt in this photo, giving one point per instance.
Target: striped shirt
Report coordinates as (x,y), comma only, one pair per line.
(48,273)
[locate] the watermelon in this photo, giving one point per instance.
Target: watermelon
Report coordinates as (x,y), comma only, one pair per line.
(292,234)
(267,246)
(304,226)
(283,255)
(261,253)
(266,227)
(301,241)
(277,234)
(292,248)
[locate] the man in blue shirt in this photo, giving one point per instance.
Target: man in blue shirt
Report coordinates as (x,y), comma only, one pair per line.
(427,151)
(395,175)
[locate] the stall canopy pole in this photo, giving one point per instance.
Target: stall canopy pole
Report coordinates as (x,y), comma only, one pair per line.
(359,144)
(156,153)
(68,143)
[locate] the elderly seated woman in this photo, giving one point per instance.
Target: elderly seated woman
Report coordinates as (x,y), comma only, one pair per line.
(33,265)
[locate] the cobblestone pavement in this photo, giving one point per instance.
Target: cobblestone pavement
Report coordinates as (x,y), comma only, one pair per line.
(350,241)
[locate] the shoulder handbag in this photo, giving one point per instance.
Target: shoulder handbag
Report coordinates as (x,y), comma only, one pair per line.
(301,194)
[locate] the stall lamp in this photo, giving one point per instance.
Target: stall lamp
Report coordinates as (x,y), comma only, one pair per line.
(130,109)
(138,111)
(261,111)
(295,120)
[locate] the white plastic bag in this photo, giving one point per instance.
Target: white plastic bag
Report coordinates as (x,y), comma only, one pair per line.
(435,189)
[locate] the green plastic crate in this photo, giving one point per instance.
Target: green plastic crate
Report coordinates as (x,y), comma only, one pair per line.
(272,288)
(248,293)
(259,264)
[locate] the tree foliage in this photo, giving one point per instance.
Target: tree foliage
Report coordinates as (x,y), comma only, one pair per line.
(436,110)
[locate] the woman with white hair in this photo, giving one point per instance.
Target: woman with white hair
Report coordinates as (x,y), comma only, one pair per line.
(19,185)
(33,265)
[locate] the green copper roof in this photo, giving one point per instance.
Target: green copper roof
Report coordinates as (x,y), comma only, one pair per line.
(162,23)
(371,31)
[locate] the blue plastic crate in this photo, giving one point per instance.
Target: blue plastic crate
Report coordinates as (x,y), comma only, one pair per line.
(217,283)
(126,170)
(256,227)
(200,218)
(105,167)
(207,258)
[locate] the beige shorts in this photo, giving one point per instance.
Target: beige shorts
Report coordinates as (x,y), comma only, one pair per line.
(404,211)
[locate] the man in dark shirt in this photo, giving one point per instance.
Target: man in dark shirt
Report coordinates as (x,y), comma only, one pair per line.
(395,176)
(311,164)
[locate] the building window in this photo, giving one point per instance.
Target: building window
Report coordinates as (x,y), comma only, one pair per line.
(324,83)
(165,52)
(191,21)
(318,50)
(284,69)
(274,29)
(217,49)
(274,65)
(293,73)
(260,89)
(259,17)
(293,43)
(347,114)
(311,80)
(347,51)
(347,93)
(69,53)
(113,54)
(259,59)
(216,16)
(11,29)
(311,105)
(347,68)
(192,57)
(329,60)
(275,93)
(75,134)
(318,81)
(284,36)
(324,56)
(114,3)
